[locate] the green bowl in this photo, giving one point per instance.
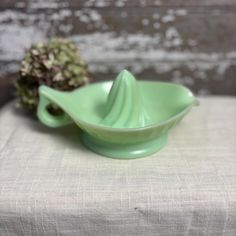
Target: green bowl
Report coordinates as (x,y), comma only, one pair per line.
(125,119)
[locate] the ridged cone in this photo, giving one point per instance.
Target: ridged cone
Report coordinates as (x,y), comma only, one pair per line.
(124,107)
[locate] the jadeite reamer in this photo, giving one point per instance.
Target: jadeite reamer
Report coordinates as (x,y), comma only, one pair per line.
(123,119)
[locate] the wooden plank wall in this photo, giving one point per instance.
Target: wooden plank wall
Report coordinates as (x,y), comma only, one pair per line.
(192,42)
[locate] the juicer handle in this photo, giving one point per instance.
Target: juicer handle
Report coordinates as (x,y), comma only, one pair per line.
(47,118)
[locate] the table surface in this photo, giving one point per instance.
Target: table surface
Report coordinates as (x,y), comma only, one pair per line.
(51,185)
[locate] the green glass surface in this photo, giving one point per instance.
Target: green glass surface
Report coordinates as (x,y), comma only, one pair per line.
(121,119)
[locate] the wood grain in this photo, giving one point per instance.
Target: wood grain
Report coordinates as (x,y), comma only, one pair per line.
(112,3)
(189,42)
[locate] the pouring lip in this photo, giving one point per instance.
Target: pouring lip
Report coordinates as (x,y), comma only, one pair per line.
(195,102)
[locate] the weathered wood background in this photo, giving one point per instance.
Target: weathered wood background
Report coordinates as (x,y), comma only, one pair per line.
(192,42)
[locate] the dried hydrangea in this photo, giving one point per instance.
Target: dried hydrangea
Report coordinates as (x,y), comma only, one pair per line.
(56,64)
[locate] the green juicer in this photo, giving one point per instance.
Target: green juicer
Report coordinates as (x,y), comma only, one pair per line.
(124,119)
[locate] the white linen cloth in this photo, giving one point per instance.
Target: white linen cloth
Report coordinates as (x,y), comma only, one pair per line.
(52,185)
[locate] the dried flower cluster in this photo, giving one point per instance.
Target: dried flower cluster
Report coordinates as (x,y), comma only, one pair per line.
(56,64)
